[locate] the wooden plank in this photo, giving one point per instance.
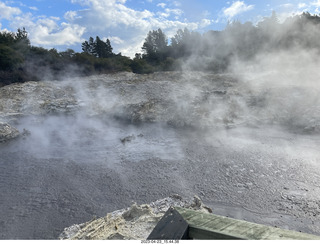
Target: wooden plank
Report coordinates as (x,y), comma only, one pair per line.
(172,226)
(210,226)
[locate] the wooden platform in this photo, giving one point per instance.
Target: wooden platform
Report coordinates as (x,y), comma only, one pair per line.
(181,223)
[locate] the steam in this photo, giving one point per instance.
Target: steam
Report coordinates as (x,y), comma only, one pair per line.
(87,139)
(265,87)
(263,110)
(94,117)
(274,78)
(285,86)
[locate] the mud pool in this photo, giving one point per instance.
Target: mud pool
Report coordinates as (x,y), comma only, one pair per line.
(68,168)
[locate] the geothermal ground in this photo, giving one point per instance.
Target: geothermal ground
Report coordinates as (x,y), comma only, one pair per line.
(89,146)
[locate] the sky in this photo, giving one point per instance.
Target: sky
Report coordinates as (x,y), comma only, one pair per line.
(64,24)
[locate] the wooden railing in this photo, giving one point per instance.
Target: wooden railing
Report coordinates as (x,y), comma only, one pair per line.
(180,223)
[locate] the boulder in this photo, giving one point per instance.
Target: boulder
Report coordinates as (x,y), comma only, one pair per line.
(7,132)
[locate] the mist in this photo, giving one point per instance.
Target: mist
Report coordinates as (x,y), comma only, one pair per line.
(245,139)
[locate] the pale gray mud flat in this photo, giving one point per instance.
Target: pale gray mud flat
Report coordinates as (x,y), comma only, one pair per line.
(66,168)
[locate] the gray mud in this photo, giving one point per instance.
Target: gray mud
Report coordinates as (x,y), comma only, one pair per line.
(67,169)
(253,176)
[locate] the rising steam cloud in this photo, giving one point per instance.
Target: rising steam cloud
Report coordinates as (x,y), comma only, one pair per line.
(236,136)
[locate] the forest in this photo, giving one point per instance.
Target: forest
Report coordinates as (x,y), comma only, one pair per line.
(211,51)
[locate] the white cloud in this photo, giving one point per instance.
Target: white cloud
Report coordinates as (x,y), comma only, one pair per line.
(316,4)
(162,5)
(168,12)
(163,14)
(175,11)
(68,35)
(115,39)
(237,8)
(176,3)
(7,12)
(302,5)
(70,15)
(34,8)
(42,30)
(47,31)
(125,27)
(287,5)
(115,19)
(205,22)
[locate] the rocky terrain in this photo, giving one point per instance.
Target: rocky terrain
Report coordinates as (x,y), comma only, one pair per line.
(133,223)
(84,147)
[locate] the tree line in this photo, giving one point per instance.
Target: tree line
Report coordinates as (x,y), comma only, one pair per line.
(210,51)
(214,50)
(20,61)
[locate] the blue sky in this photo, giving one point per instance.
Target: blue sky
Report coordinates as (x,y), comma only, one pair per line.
(63,24)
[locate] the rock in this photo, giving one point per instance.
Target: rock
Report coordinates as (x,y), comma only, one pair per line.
(127,139)
(197,203)
(133,223)
(25,133)
(7,132)
(136,211)
(36,98)
(188,99)
(70,231)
